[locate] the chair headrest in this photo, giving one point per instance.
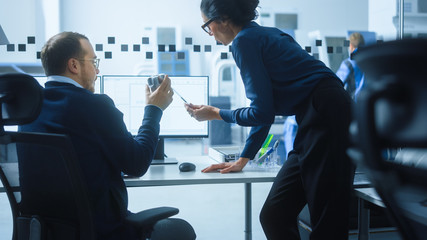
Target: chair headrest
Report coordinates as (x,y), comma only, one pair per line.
(404,59)
(396,90)
(21,99)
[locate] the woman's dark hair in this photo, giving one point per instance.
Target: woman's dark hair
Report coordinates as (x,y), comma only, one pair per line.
(59,49)
(239,12)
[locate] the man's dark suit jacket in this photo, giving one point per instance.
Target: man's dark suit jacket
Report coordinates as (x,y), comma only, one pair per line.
(104,147)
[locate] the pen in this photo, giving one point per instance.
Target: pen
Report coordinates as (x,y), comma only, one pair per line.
(179,95)
(265,144)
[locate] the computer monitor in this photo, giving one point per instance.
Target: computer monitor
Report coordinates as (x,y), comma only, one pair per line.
(128,94)
(3,38)
(43,79)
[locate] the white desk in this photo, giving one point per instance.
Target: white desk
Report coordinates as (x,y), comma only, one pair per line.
(167,175)
(366,195)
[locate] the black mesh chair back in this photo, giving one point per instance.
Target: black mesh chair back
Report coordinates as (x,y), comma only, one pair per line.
(45,205)
(391,113)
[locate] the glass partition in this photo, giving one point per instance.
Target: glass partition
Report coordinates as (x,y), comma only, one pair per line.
(134,38)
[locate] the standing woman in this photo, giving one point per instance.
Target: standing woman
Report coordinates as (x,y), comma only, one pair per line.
(281,78)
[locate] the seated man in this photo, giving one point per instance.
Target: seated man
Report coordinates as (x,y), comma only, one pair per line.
(104,147)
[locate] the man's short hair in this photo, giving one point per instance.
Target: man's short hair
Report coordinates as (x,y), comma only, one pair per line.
(59,49)
(357,40)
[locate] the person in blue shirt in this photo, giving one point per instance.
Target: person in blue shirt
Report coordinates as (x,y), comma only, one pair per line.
(349,73)
(281,78)
(104,147)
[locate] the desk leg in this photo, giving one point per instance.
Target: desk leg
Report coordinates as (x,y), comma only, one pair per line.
(248,211)
(363,220)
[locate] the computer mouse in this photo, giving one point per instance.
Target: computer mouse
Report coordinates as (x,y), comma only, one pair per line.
(186,167)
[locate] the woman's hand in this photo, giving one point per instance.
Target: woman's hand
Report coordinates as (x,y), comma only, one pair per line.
(227,167)
(203,112)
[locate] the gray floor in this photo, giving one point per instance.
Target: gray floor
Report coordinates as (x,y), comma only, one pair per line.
(216,211)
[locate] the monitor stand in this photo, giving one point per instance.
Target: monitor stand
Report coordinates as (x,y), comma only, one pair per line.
(159,155)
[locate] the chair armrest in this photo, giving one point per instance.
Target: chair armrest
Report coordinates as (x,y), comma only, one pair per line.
(151,216)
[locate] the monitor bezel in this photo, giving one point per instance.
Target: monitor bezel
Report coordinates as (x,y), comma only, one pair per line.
(179,136)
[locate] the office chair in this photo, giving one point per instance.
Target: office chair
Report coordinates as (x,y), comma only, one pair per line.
(69,216)
(392,113)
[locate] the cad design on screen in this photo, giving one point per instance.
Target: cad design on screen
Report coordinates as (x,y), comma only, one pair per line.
(128,94)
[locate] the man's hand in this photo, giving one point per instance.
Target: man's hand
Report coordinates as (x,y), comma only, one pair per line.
(162,97)
(203,112)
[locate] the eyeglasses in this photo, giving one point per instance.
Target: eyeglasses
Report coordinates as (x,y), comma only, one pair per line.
(206,27)
(94,61)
